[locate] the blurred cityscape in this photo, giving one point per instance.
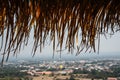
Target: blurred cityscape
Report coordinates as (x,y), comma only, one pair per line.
(95,69)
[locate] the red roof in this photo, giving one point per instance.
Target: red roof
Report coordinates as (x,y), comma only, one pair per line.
(111,78)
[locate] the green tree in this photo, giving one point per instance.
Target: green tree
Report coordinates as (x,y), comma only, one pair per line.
(72,77)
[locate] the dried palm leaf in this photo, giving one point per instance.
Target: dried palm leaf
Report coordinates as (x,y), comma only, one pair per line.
(63,21)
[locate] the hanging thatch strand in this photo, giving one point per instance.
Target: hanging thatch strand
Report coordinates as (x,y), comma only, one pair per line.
(61,20)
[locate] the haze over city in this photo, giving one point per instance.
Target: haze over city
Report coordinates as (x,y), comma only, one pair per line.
(109,47)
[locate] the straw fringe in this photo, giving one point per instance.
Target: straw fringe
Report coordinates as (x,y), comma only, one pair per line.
(88,18)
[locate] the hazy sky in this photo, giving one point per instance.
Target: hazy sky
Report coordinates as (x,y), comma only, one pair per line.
(111,44)
(108,46)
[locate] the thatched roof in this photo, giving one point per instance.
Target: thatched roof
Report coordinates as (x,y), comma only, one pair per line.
(85,19)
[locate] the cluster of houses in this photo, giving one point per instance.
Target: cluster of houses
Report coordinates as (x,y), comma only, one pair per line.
(37,73)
